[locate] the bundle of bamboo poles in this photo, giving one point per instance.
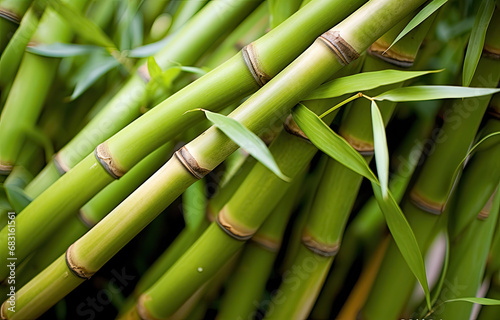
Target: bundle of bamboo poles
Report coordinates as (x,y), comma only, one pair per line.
(206,159)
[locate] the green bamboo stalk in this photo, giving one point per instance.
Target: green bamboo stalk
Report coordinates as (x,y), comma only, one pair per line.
(367,228)
(166,120)
(11,13)
(429,193)
(338,189)
(37,73)
(184,12)
(469,252)
(247,284)
(11,56)
(85,257)
(91,213)
(281,9)
(126,105)
(252,28)
(152,9)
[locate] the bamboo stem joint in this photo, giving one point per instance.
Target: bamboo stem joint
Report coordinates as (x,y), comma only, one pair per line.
(252,63)
(190,163)
(292,128)
(105,158)
(232,229)
(343,50)
(388,55)
(75,269)
(12,17)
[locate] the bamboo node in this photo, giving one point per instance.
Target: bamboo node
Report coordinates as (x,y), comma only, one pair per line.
(142,311)
(343,50)
(75,269)
(253,64)
(319,248)
(267,243)
(61,167)
(5,168)
(292,128)
(11,16)
(491,52)
(105,158)
(485,211)
(364,148)
(89,223)
(190,163)
(231,229)
(382,51)
(143,72)
(426,204)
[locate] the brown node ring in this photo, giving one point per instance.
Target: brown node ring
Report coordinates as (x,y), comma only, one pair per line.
(343,50)
(12,17)
(190,163)
(422,203)
(266,243)
(252,63)
(383,52)
(61,167)
(142,312)
(321,249)
(103,155)
(231,230)
(491,52)
(78,271)
(5,168)
(292,128)
(85,220)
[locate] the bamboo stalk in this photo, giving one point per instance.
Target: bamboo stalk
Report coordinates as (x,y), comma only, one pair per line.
(133,142)
(11,13)
(125,106)
(429,193)
(368,227)
(248,281)
(91,213)
(11,56)
(37,73)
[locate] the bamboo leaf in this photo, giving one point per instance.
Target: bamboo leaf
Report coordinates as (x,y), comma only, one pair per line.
(62,50)
(454,179)
(337,148)
(403,237)
(148,49)
(476,40)
(93,70)
(363,81)
(419,18)
(194,203)
(381,150)
(247,140)
(81,25)
(421,93)
(153,68)
(330,142)
(482,301)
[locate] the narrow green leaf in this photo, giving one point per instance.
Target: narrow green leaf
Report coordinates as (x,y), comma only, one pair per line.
(337,148)
(194,203)
(381,149)
(421,93)
(419,18)
(81,25)
(93,70)
(330,142)
(148,49)
(62,50)
(476,40)
(458,169)
(482,301)
(153,68)
(247,140)
(363,81)
(403,237)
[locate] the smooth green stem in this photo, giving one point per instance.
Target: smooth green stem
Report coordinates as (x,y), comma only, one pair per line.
(247,284)
(11,57)
(12,13)
(21,110)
